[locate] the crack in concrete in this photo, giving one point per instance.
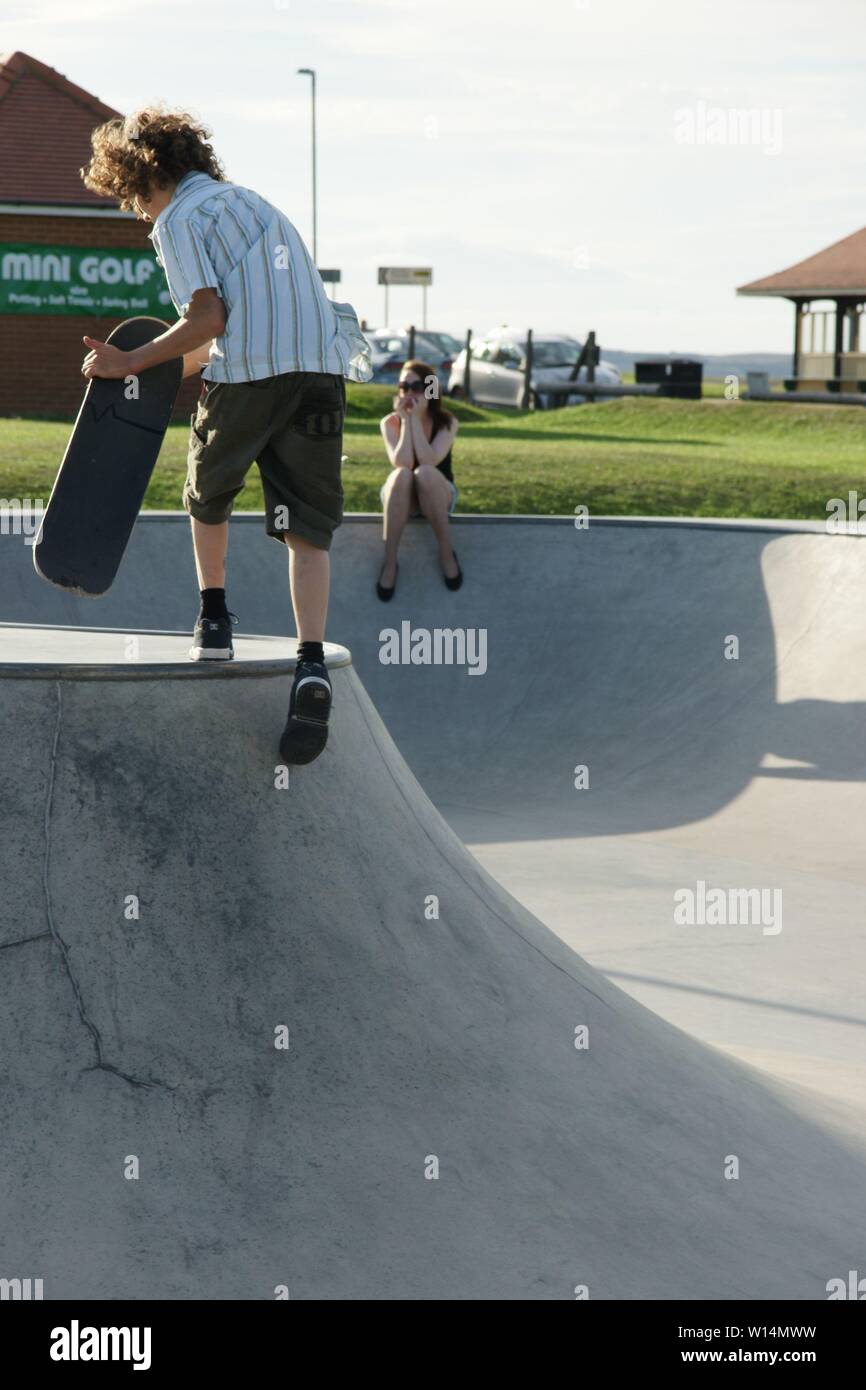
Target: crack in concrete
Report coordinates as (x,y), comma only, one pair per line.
(24,940)
(101,1064)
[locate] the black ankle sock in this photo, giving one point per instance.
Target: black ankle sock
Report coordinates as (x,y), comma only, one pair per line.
(213,604)
(311,651)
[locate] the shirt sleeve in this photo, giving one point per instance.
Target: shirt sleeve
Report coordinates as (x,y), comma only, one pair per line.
(182,253)
(360,366)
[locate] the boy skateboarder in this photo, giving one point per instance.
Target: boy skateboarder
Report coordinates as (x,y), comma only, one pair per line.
(273,352)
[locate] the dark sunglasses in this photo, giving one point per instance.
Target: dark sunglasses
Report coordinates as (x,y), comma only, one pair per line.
(415,386)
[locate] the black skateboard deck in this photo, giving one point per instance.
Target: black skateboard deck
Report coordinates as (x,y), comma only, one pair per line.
(103,477)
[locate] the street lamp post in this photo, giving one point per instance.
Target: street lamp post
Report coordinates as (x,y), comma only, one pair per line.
(309,72)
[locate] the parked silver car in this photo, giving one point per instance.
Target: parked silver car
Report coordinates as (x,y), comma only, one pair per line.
(389,349)
(499,363)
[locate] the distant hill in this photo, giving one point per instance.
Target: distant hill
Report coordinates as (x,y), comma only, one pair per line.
(777,364)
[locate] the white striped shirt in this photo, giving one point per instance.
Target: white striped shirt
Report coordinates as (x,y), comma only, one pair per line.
(215,235)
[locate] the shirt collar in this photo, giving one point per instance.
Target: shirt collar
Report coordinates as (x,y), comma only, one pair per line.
(182,183)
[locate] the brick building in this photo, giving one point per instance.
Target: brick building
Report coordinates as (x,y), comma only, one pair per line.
(70,262)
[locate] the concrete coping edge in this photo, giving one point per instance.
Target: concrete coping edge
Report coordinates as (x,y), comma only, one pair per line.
(336,657)
(530,519)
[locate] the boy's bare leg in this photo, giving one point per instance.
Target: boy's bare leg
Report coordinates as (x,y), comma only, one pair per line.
(306,731)
(210,544)
(310,577)
(212,635)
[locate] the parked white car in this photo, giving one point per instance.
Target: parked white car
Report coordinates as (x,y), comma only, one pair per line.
(498,366)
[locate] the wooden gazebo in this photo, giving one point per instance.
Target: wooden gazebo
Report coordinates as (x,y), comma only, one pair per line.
(828,291)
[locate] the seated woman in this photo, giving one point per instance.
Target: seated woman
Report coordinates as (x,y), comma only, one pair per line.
(419,435)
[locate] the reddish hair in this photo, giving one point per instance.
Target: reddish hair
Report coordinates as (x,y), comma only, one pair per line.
(441,417)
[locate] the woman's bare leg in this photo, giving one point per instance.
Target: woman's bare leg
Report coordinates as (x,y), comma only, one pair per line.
(310,579)
(434,497)
(399,501)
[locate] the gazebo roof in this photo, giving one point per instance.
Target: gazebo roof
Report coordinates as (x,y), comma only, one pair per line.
(45,127)
(839,269)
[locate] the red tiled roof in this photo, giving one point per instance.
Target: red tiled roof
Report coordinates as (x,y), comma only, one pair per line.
(839,269)
(45,127)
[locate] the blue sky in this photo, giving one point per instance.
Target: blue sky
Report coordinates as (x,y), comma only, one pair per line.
(573,165)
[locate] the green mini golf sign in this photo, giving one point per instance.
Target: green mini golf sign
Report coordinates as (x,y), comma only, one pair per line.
(80,280)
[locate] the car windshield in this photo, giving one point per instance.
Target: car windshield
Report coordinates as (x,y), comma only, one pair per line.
(446,342)
(388,343)
(398,345)
(560,353)
(428,347)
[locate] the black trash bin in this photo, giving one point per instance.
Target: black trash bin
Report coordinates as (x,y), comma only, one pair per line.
(675,376)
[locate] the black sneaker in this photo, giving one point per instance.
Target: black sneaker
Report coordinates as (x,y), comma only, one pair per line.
(306,731)
(212,639)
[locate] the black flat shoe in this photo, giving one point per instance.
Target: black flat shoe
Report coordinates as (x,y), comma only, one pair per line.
(384,594)
(306,731)
(457,580)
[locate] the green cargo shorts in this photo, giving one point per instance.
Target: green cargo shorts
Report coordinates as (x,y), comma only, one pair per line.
(292,427)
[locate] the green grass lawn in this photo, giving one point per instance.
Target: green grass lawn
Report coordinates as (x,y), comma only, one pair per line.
(626,457)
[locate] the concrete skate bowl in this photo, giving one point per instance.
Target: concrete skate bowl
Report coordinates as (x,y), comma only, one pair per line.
(431,1130)
(607,648)
(604,647)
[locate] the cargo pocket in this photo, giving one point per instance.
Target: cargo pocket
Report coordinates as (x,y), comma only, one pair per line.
(322,409)
(203,422)
(198,430)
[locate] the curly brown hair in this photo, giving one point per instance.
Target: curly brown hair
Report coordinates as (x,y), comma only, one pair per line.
(150,149)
